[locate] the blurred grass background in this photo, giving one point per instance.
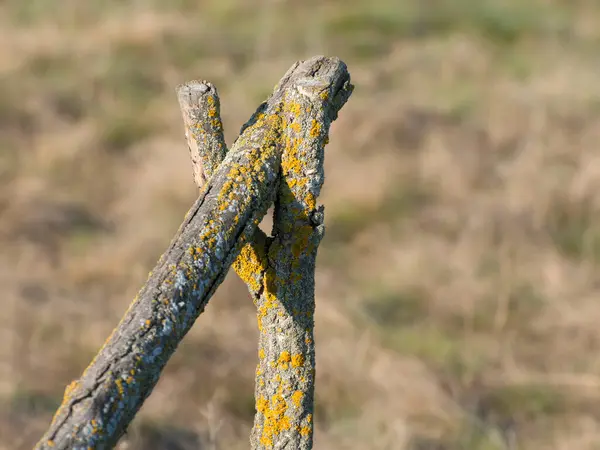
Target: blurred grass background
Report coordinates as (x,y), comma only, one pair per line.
(458,281)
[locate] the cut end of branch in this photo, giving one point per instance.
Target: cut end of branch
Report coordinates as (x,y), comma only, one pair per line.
(190,94)
(199,103)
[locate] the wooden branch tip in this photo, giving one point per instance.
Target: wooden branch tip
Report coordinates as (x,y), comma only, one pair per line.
(200,108)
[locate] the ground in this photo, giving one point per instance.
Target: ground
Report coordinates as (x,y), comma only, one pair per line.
(457,283)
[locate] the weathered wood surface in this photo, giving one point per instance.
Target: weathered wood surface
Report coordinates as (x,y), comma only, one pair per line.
(285,377)
(279,269)
(98,407)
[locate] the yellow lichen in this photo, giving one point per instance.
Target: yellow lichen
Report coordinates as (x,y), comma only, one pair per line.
(315,129)
(249,265)
(119,384)
(71,388)
(284,359)
(297,360)
(275,419)
(262,404)
(294,108)
(297,398)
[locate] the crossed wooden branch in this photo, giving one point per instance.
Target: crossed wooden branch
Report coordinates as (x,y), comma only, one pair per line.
(278,157)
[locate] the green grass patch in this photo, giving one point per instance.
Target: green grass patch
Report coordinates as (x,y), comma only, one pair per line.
(336,402)
(71,13)
(399,202)
(389,308)
(146,434)
(471,438)
(522,304)
(32,402)
(16,118)
(367,30)
(9,159)
(240,401)
(185,50)
(404,323)
(446,352)
(81,241)
(574,228)
(132,73)
(521,403)
(117,134)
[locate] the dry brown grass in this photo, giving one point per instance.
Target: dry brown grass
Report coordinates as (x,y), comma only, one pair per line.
(458,281)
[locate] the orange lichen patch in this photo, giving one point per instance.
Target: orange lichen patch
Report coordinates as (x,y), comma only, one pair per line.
(311,201)
(262,404)
(250,265)
(293,107)
(275,419)
(297,360)
(305,431)
(290,162)
(284,359)
(297,398)
(212,110)
(315,129)
(50,443)
(71,388)
(270,299)
(120,388)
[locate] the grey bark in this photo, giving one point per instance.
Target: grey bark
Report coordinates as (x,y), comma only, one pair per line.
(279,269)
(285,376)
(237,191)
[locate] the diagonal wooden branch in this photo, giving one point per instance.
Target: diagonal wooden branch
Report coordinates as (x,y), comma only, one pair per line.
(200,107)
(285,375)
(97,408)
